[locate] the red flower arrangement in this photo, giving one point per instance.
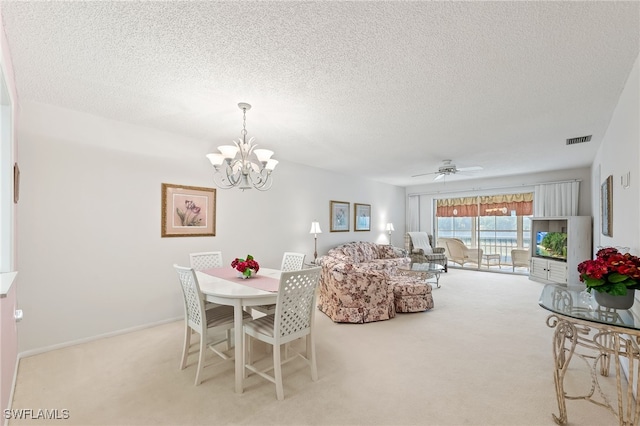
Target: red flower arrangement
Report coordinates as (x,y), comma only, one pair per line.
(611,272)
(245,266)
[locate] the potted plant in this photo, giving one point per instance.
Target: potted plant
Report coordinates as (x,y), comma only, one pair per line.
(613,275)
(245,267)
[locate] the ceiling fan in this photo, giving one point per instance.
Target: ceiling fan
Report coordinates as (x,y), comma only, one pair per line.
(448,168)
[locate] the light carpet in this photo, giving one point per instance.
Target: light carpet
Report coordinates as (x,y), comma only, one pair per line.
(482,356)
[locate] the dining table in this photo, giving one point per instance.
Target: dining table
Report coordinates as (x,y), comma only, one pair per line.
(224,287)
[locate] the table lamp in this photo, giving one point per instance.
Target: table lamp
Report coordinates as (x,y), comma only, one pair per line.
(389,228)
(315,230)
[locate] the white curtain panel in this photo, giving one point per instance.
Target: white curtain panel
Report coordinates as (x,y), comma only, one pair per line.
(556,199)
(413,213)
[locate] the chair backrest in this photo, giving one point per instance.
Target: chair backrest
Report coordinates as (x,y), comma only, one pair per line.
(193,300)
(295,303)
(455,247)
(408,241)
(520,257)
(206,260)
(292,261)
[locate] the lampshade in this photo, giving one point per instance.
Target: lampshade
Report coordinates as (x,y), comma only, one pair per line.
(228,151)
(315,228)
(389,227)
(263,154)
(216,159)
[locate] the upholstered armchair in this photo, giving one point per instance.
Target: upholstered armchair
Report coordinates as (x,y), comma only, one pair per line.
(459,253)
(420,255)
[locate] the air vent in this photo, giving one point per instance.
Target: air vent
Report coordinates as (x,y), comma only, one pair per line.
(581,139)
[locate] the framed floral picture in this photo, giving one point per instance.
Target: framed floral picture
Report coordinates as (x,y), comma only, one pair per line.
(362,217)
(188,211)
(606,206)
(339,214)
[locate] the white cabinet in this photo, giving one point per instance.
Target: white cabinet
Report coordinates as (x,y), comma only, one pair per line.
(579,248)
(547,270)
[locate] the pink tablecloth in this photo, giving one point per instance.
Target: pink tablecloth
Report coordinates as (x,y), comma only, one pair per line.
(256,281)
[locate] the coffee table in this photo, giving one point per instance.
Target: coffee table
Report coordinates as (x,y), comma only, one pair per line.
(424,270)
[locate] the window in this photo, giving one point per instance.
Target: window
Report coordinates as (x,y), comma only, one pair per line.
(496,224)
(462,228)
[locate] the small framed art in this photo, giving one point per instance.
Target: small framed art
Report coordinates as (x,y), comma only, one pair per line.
(188,211)
(606,206)
(339,214)
(362,217)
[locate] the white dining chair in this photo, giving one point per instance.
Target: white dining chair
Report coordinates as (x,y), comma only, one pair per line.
(290,262)
(206,260)
(205,322)
(293,319)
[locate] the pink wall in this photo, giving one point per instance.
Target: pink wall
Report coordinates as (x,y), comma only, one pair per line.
(8,345)
(8,329)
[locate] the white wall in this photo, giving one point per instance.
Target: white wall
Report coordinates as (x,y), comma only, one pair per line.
(504,185)
(9,112)
(91,257)
(619,154)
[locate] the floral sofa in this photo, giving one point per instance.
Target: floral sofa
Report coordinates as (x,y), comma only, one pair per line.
(356,282)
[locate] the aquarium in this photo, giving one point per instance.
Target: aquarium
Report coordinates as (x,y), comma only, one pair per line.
(552,245)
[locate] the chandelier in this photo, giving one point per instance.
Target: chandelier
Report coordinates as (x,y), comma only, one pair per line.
(241,165)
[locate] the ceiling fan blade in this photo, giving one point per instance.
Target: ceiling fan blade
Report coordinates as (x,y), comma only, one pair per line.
(440,176)
(423,174)
(469,169)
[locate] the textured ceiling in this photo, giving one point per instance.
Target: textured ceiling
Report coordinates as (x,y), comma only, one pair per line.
(385,90)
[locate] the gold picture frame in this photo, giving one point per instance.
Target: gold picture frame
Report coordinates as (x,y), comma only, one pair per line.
(188,211)
(361,217)
(339,216)
(606,206)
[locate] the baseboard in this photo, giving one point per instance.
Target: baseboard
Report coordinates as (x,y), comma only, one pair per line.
(33,352)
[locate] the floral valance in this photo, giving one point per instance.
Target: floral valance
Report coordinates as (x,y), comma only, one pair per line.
(486,205)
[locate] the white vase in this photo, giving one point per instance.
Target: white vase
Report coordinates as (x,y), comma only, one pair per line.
(244,277)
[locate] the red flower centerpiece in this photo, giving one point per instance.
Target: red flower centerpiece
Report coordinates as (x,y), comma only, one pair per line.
(246,266)
(611,272)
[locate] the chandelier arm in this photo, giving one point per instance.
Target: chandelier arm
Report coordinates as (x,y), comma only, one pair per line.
(218,179)
(265,186)
(261,181)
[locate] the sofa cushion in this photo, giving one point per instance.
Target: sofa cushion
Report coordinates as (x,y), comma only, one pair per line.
(365,251)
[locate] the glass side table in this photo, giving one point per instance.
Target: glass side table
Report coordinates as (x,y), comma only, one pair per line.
(598,336)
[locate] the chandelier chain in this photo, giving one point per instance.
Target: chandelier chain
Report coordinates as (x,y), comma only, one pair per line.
(244,123)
